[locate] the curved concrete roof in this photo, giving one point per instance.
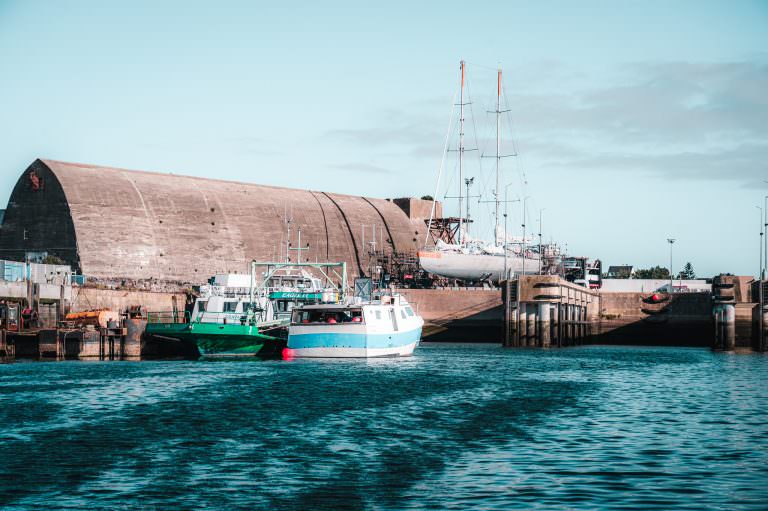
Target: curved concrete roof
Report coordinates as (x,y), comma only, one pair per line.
(134,224)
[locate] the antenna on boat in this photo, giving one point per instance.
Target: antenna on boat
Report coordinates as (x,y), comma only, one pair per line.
(288,240)
(299,249)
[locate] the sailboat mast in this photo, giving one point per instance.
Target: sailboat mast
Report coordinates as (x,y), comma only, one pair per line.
(498,155)
(461,151)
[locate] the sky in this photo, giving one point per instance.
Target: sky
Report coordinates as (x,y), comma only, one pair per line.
(632,122)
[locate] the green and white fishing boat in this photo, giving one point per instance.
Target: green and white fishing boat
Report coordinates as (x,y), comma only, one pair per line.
(235,315)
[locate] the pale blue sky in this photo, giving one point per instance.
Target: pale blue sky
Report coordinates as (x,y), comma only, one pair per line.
(635,121)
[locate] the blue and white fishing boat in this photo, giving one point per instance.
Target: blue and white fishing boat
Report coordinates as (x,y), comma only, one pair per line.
(383,327)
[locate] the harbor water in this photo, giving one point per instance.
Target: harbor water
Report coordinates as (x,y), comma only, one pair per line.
(453,427)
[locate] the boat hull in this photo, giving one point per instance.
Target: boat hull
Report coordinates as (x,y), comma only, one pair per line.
(352,345)
(215,339)
(475,266)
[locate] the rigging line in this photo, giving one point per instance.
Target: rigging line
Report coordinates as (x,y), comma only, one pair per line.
(453,175)
(490,177)
(521,161)
(482,65)
(474,131)
(440,172)
(508,119)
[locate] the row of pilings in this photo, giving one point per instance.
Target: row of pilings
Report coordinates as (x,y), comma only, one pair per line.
(546,311)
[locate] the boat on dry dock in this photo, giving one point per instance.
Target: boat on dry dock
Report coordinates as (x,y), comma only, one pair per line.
(455,253)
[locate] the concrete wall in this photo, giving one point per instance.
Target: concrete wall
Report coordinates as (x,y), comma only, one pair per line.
(118,300)
(48,292)
(684,319)
(466,315)
(651,285)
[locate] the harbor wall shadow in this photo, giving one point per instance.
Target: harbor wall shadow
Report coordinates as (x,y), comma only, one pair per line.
(671,320)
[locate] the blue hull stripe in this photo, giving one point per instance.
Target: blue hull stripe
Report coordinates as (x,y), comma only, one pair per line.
(340,340)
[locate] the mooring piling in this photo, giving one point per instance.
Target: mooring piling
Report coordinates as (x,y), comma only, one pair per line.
(546,310)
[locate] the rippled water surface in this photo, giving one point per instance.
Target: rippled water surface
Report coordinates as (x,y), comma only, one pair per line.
(454,427)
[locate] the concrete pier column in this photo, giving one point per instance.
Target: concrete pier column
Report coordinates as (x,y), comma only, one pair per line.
(577,314)
(543,326)
(522,326)
(531,325)
(763,341)
(717,318)
(556,324)
(576,324)
(514,334)
(729,326)
(564,324)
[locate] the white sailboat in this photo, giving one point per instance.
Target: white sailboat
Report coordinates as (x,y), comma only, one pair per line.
(455,254)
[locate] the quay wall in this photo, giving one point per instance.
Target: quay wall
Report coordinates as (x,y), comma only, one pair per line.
(679,319)
(466,314)
(458,315)
(85,298)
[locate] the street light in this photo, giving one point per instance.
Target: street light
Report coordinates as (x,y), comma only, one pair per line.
(671,242)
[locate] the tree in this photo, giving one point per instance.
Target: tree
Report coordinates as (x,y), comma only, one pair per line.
(426,197)
(657,272)
(53,259)
(687,273)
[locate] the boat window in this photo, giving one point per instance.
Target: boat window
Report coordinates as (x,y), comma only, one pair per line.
(409,311)
(201,305)
(402,313)
(327,316)
(230,306)
(285,305)
(378,314)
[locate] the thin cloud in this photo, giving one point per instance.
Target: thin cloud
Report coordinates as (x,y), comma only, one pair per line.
(363,168)
(675,120)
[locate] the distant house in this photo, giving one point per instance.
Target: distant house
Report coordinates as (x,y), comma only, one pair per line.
(619,272)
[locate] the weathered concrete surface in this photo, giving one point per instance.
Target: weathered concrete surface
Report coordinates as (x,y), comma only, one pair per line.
(6,349)
(86,298)
(682,319)
(547,310)
(466,315)
(651,285)
(48,292)
(116,223)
